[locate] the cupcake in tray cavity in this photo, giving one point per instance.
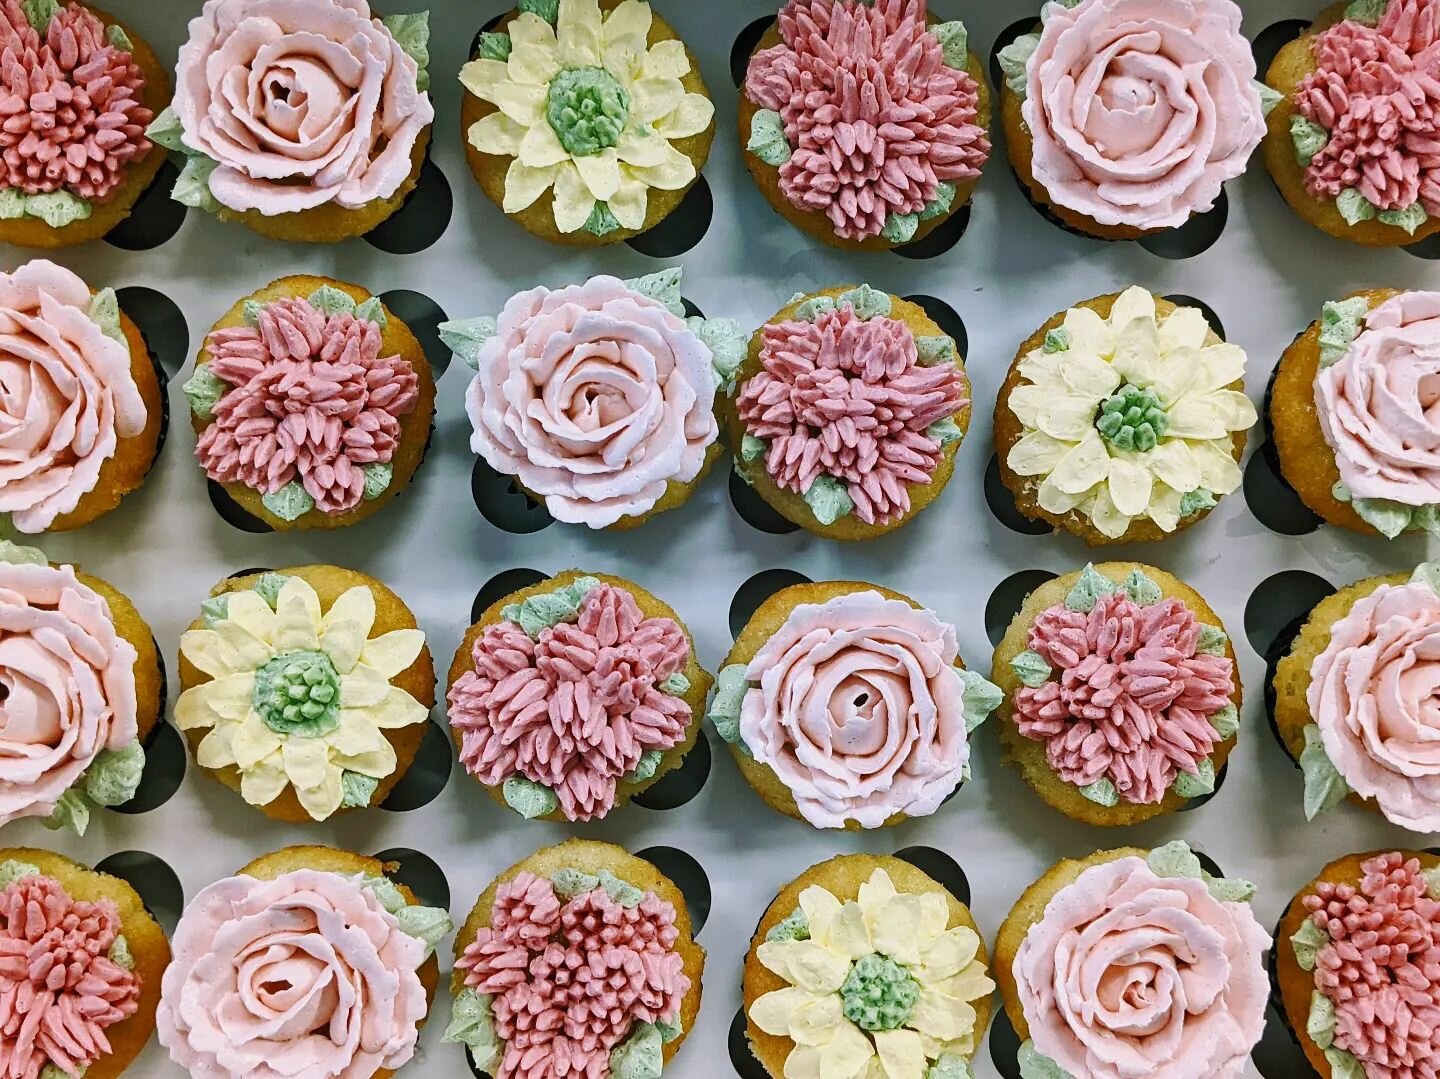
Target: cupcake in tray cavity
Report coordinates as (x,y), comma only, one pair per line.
(847,705)
(571,696)
(1133,962)
(308,962)
(865,124)
(1126,117)
(1123,419)
(848,412)
(581,955)
(312,403)
(306,121)
(306,690)
(1121,693)
(598,398)
(585,121)
(865,966)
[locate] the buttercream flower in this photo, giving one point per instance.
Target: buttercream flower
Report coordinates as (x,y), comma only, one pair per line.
(307,974)
(67,395)
(1125,417)
(880,984)
(298,697)
(588,109)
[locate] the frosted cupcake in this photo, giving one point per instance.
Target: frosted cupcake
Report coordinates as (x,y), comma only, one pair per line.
(1181,949)
(598,398)
(570,697)
(585,121)
(1126,117)
(847,705)
(1123,419)
(865,125)
(305,121)
(807,433)
(329,970)
(1122,699)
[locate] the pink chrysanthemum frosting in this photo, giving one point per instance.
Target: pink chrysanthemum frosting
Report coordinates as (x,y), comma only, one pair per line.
(1381,967)
(568,981)
(1133,698)
(575,708)
(310,396)
(874,118)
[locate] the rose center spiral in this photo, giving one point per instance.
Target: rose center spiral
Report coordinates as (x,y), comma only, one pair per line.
(587,109)
(879,994)
(298,693)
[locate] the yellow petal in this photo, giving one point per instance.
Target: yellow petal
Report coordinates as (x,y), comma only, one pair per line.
(601,173)
(848,934)
(820,908)
(248,610)
(631,201)
(392,652)
(263,785)
(322,800)
(902,1056)
(377,763)
(1129,487)
(1053,499)
(297,616)
(1083,467)
(1037,454)
(522,102)
(307,760)
(540,148)
(653,99)
(355,735)
(533,63)
(894,928)
(1184,328)
(1090,376)
(934,914)
(773,1011)
(803,1063)
(641,147)
(229,697)
(202,648)
(847,1055)
(1134,303)
(1137,351)
(666,60)
(1025,402)
(814,1022)
(1106,518)
(875,892)
(497,134)
(940,1016)
(951,953)
(577,29)
(1219,366)
(1173,463)
(1164,508)
(346,625)
(192,711)
(252,742)
(692,116)
(1068,415)
(1219,473)
(672,174)
(805,964)
(573,200)
(396,709)
(1088,332)
(624,34)
(523,185)
(481,77)
(215,749)
(362,688)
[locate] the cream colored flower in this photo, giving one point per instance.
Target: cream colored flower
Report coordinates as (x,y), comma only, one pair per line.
(299,697)
(588,109)
(932,974)
(1133,364)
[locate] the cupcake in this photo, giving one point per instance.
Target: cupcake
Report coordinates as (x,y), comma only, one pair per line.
(1133,962)
(1358,381)
(1357,964)
(82,689)
(312,403)
(806,429)
(1126,117)
(572,696)
(308,962)
(1139,652)
(306,690)
(1347,145)
(572,924)
(79,89)
(306,121)
(863,965)
(59,917)
(82,412)
(598,398)
(847,705)
(586,121)
(1123,419)
(865,126)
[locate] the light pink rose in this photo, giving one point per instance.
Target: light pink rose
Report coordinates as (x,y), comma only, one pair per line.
(302,102)
(1140,110)
(69,686)
(594,397)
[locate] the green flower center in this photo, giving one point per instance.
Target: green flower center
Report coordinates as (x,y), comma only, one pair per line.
(1133,419)
(587,108)
(299,693)
(879,994)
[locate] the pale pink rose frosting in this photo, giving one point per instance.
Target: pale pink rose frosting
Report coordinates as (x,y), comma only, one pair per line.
(59,988)
(68,682)
(304,976)
(1375,695)
(1133,698)
(67,395)
(1140,110)
(302,102)
(575,708)
(874,118)
(568,980)
(1379,404)
(858,708)
(1133,976)
(594,397)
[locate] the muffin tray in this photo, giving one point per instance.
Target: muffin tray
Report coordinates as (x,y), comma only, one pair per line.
(461,536)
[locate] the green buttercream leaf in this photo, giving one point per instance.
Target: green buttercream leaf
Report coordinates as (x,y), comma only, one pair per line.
(290,502)
(623,892)
(1141,589)
(1102,792)
(12,204)
(51,1071)
(1409,219)
(57,208)
(12,870)
(1425,519)
(528,798)
(1212,641)
(1198,784)
(1427,573)
(602,220)
(752,448)
(867,302)
(17,555)
(670,1029)
(412,33)
(71,811)
(1354,207)
(250,312)
(901,228)
(40,12)
(357,789)
(1036,1065)
(1014,59)
(640,1055)
(1056,340)
(1320,1023)
(728,342)
(494,46)
(378,476)
(662,286)
(1339,326)
(1175,859)
(268,586)
(1226,722)
(165,130)
(724,712)
(465,337)
(119,953)
(192,187)
(932,351)
(1307,942)
(949,1066)
(1368,12)
(1325,787)
(942,202)
(1269,97)
(105,313)
(1192,502)
(979,698)
(203,390)
(946,431)
(767,138)
(814,307)
(645,767)
(1031,668)
(428,924)
(794,926)
(372,310)
(215,610)
(549,10)
(386,893)
(329,300)
(546,609)
(114,775)
(954,43)
(1230,889)
(570,882)
(1343,1065)
(1309,138)
(677,685)
(828,499)
(116,37)
(473,1026)
(1388,518)
(1088,589)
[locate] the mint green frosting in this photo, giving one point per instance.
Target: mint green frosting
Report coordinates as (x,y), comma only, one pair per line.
(297,694)
(1031,668)
(1174,859)
(979,698)
(1339,326)
(267,586)
(192,186)
(378,476)
(587,109)
(12,870)
(57,208)
(623,892)
(204,389)
(1036,1065)
(570,882)
(946,432)
(1213,640)
(1307,942)
(412,33)
(752,448)
(767,138)
(645,768)
(329,300)
(428,924)
(1320,1023)
(1368,12)
(1141,589)
(51,1071)
(290,502)
(640,1055)
(17,555)
(794,926)
(828,499)
(465,337)
(814,307)
(1102,792)
(728,343)
(528,798)
(940,205)
(389,896)
(494,46)
(40,12)
(71,811)
(1056,340)
(1390,518)
(724,713)
(662,286)
(1132,419)
(677,685)
(878,994)
(546,609)
(1427,573)
(931,351)
(1088,589)
(949,1066)
(601,221)
(1309,138)
(1198,784)
(1343,1065)
(1226,722)
(473,1026)
(954,43)
(114,775)
(1410,218)
(166,130)
(105,312)
(119,953)
(1192,502)
(901,228)
(250,311)
(1354,207)
(868,302)
(1014,59)
(1270,98)
(549,10)
(1230,889)
(357,789)
(372,310)
(1325,787)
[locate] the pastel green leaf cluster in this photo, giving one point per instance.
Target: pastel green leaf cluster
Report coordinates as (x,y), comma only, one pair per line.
(1088,589)
(932,351)
(1036,1065)
(1339,326)
(57,208)
(946,432)
(412,33)
(17,555)
(290,502)
(570,882)
(297,694)
(1410,218)
(203,390)
(677,685)
(528,798)
(215,610)
(386,893)
(114,775)
(1344,1065)
(949,1066)
(724,713)
(1432,882)
(105,312)
(427,924)
(644,768)
(1192,502)
(1389,518)
(1230,889)
(119,953)
(640,1055)
(1427,573)
(828,499)
(1320,1023)
(1368,12)
(372,310)
(662,286)
(1309,138)
(12,869)
(623,892)
(329,300)
(814,307)
(901,228)
(878,994)
(954,43)
(942,202)
(1175,859)
(165,130)
(794,926)
(1014,59)
(1212,641)
(357,789)
(549,10)
(465,337)
(1354,207)
(867,302)
(1056,340)
(267,586)
(601,221)
(1307,942)
(1031,668)
(728,343)
(979,698)
(494,46)
(71,811)
(1141,589)
(1197,784)
(767,138)
(752,448)
(40,12)
(473,1026)
(1102,792)
(546,609)
(1325,787)
(1133,419)
(192,186)
(1270,97)
(1226,722)
(378,477)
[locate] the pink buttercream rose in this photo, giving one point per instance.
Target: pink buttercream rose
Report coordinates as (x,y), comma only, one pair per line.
(594,397)
(305,975)
(1140,110)
(1375,695)
(858,708)
(1130,975)
(302,102)
(67,686)
(67,395)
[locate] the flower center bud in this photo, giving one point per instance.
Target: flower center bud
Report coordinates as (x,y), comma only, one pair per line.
(298,693)
(879,994)
(1132,419)
(587,108)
